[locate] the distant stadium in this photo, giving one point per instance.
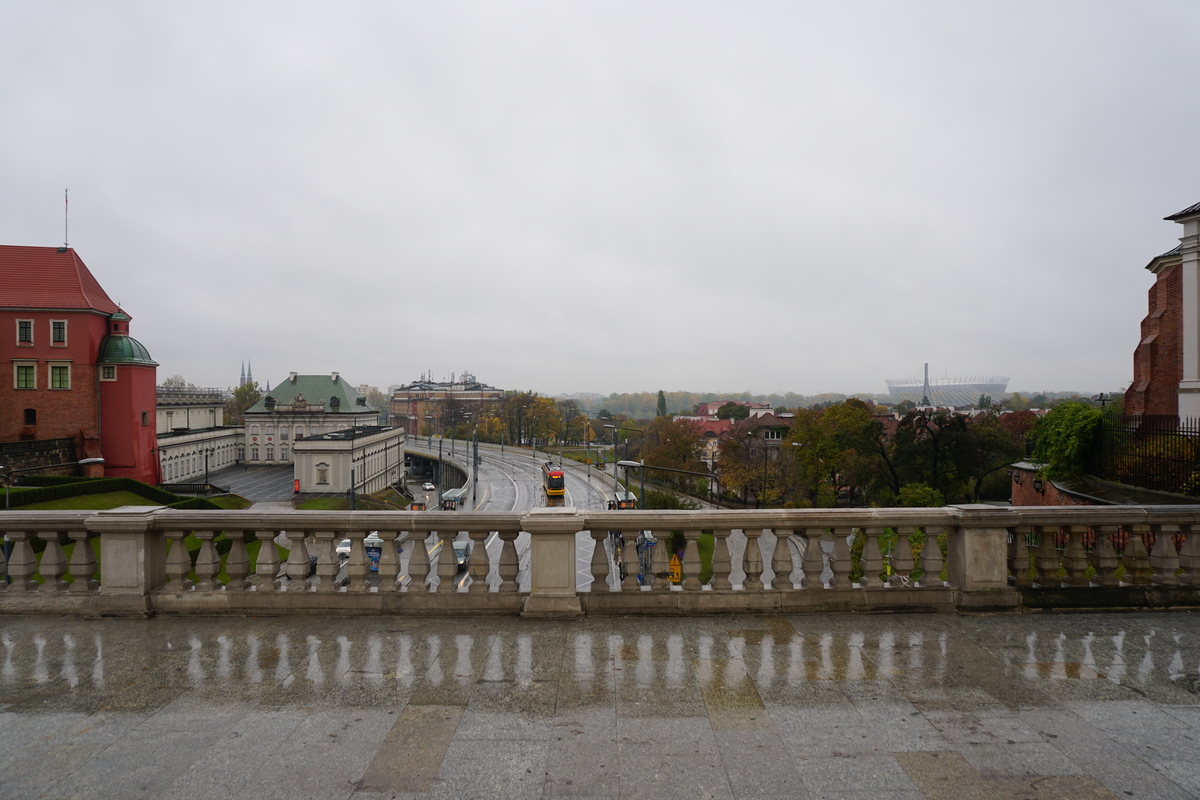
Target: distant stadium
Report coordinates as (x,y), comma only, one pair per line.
(947,391)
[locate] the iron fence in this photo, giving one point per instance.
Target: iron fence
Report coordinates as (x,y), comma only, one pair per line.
(1152,452)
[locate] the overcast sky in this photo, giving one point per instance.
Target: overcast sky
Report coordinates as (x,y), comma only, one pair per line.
(611,197)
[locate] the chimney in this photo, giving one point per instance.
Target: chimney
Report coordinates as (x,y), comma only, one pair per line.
(334,374)
(293,376)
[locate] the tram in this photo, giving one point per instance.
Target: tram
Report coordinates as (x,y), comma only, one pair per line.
(552,479)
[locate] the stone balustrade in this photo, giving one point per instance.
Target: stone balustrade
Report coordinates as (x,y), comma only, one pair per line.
(561,562)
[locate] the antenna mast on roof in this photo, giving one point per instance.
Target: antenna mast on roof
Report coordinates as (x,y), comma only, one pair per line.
(66,236)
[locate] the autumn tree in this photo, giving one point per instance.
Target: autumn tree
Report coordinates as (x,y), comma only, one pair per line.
(243,397)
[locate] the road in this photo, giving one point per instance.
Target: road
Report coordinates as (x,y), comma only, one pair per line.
(512,481)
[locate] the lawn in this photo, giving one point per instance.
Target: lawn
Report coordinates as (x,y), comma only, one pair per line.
(93,502)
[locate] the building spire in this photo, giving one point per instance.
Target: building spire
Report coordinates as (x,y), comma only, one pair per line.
(242,381)
(249,372)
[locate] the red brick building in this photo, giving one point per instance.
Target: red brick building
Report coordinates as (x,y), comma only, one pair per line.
(75,373)
(1158,358)
(1166,363)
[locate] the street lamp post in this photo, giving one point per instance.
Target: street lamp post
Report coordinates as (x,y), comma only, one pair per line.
(207,451)
(643,467)
(642,499)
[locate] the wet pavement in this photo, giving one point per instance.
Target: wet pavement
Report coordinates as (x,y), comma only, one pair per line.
(822,706)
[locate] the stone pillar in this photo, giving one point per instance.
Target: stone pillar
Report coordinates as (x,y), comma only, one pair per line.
(1189,385)
(552,563)
(133,558)
(978,557)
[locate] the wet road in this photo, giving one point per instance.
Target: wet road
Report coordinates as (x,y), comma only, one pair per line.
(888,706)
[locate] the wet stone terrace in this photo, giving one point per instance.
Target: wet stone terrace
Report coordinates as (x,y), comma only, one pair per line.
(822,706)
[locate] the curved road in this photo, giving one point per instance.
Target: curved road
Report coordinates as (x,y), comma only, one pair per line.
(512,481)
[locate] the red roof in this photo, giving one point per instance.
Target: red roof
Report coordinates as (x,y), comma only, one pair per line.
(45,277)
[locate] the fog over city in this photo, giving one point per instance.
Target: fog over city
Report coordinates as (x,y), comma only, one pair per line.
(611,197)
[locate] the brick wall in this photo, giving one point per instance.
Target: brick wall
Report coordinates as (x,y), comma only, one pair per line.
(1158,358)
(1024,494)
(25,455)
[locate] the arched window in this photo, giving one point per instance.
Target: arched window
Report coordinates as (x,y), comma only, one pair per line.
(254,430)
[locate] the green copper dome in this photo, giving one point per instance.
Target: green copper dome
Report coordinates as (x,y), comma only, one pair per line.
(120,349)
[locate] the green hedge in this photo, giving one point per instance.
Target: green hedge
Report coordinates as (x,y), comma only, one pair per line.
(52,480)
(42,494)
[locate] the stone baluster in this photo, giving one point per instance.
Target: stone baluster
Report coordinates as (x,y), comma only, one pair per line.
(1075,558)
(781,560)
(931,558)
(1135,558)
(840,560)
(510,564)
(327,563)
(179,563)
(691,561)
(1164,559)
(22,562)
(874,561)
(83,563)
(479,565)
(1104,556)
(722,565)
(358,567)
(902,556)
(208,562)
(752,561)
(1047,557)
(812,565)
(600,562)
(1189,557)
(629,556)
(266,568)
(54,563)
(1018,556)
(297,563)
(237,562)
(418,563)
(447,565)
(389,562)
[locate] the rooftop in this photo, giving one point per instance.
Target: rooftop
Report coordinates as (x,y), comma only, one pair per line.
(51,278)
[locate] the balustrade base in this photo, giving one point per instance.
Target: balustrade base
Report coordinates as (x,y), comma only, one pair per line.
(785,601)
(552,607)
(1109,598)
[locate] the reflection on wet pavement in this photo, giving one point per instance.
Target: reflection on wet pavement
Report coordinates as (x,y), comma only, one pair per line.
(1104,705)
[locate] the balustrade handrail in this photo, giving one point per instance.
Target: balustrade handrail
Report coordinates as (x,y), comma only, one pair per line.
(970,556)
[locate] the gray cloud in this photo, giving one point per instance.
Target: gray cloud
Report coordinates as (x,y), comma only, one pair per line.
(610,197)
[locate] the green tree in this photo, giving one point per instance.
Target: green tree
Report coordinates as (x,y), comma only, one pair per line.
(1062,439)
(661,410)
(177,382)
(243,397)
(732,410)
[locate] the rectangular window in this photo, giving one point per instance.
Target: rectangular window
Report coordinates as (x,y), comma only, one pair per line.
(145,417)
(254,454)
(25,376)
(24,331)
(108,373)
(270,454)
(58,333)
(60,376)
